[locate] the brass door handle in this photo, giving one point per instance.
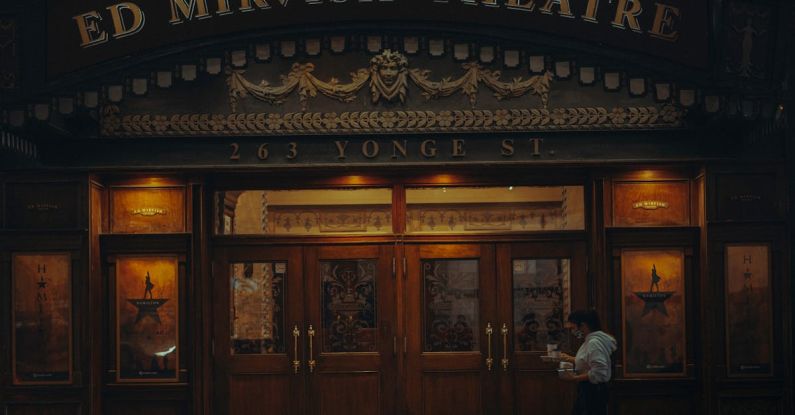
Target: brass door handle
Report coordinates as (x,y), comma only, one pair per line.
(489,359)
(296,361)
(505,360)
(312,362)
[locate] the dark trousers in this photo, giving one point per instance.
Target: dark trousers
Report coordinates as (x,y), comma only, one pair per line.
(591,399)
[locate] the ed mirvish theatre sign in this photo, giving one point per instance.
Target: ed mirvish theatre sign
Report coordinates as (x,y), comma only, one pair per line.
(84,32)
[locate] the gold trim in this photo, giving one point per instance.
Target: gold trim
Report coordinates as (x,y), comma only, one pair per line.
(516,120)
(387,76)
(148,211)
(650,205)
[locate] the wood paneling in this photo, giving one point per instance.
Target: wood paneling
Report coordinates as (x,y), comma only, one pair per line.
(147,210)
(148,408)
(747,197)
(542,393)
(349,393)
(253,394)
(43,205)
(659,203)
(654,405)
(452,393)
(750,406)
(43,409)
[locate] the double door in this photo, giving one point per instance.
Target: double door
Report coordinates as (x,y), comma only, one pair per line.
(422,329)
(478,318)
(304,330)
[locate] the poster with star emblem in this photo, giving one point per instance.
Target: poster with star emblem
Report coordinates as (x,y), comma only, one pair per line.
(147,319)
(653,312)
(41,318)
(749,311)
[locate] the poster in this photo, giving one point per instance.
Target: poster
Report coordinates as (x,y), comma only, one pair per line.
(749,335)
(653,312)
(42,318)
(147,319)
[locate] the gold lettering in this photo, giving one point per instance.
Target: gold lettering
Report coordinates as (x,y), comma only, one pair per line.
(590,11)
(399,148)
(90,33)
(458,148)
(370,149)
(630,16)
(428,148)
(529,6)
(664,23)
(186,9)
(563,5)
(341,146)
(536,142)
(120,28)
(292,150)
(507,147)
(223,8)
(245,5)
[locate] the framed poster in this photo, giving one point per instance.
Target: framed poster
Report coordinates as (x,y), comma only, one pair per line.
(749,310)
(147,319)
(653,312)
(41,318)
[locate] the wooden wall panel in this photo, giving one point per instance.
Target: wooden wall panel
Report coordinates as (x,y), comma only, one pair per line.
(750,406)
(654,405)
(43,205)
(542,393)
(747,197)
(250,394)
(147,408)
(147,210)
(451,394)
(658,203)
(361,395)
(43,409)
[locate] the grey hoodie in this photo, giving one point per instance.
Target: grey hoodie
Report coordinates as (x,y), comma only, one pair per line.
(593,357)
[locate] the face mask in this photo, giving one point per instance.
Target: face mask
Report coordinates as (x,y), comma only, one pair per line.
(577,333)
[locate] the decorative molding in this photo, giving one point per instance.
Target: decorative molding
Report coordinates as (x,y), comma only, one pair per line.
(387,77)
(516,120)
(148,211)
(650,205)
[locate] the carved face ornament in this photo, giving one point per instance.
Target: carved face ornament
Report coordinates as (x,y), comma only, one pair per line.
(388,76)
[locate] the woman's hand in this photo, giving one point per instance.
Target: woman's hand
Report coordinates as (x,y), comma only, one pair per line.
(566,357)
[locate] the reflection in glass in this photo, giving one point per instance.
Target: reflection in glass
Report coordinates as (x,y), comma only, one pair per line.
(349,305)
(257,302)
(450,305)
(303,212)
(541,293)
(494,209)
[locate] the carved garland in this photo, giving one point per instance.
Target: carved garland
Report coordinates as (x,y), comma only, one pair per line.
(388,77)
(114,124)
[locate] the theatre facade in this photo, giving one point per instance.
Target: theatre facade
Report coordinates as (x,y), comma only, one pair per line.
(391,207)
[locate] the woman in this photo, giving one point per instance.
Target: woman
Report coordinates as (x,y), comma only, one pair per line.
(592,363)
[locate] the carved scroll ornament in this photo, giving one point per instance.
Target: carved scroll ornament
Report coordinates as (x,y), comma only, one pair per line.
(387,77)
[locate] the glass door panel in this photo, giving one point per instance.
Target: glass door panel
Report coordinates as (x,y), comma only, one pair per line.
(450,305)
(350,300)
(257,296)
(539,285)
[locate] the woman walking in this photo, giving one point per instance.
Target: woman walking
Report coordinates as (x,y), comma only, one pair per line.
(592,364)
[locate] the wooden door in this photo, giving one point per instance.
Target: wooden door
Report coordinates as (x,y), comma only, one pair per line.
(539,284)
(258,298)
(350,327)
(450,303)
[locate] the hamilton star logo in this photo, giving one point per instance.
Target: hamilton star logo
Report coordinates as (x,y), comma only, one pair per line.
(654,300)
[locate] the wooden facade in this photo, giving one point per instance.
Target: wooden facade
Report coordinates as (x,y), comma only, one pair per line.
(360,219)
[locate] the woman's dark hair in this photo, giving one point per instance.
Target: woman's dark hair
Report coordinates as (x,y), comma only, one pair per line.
(589,317)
